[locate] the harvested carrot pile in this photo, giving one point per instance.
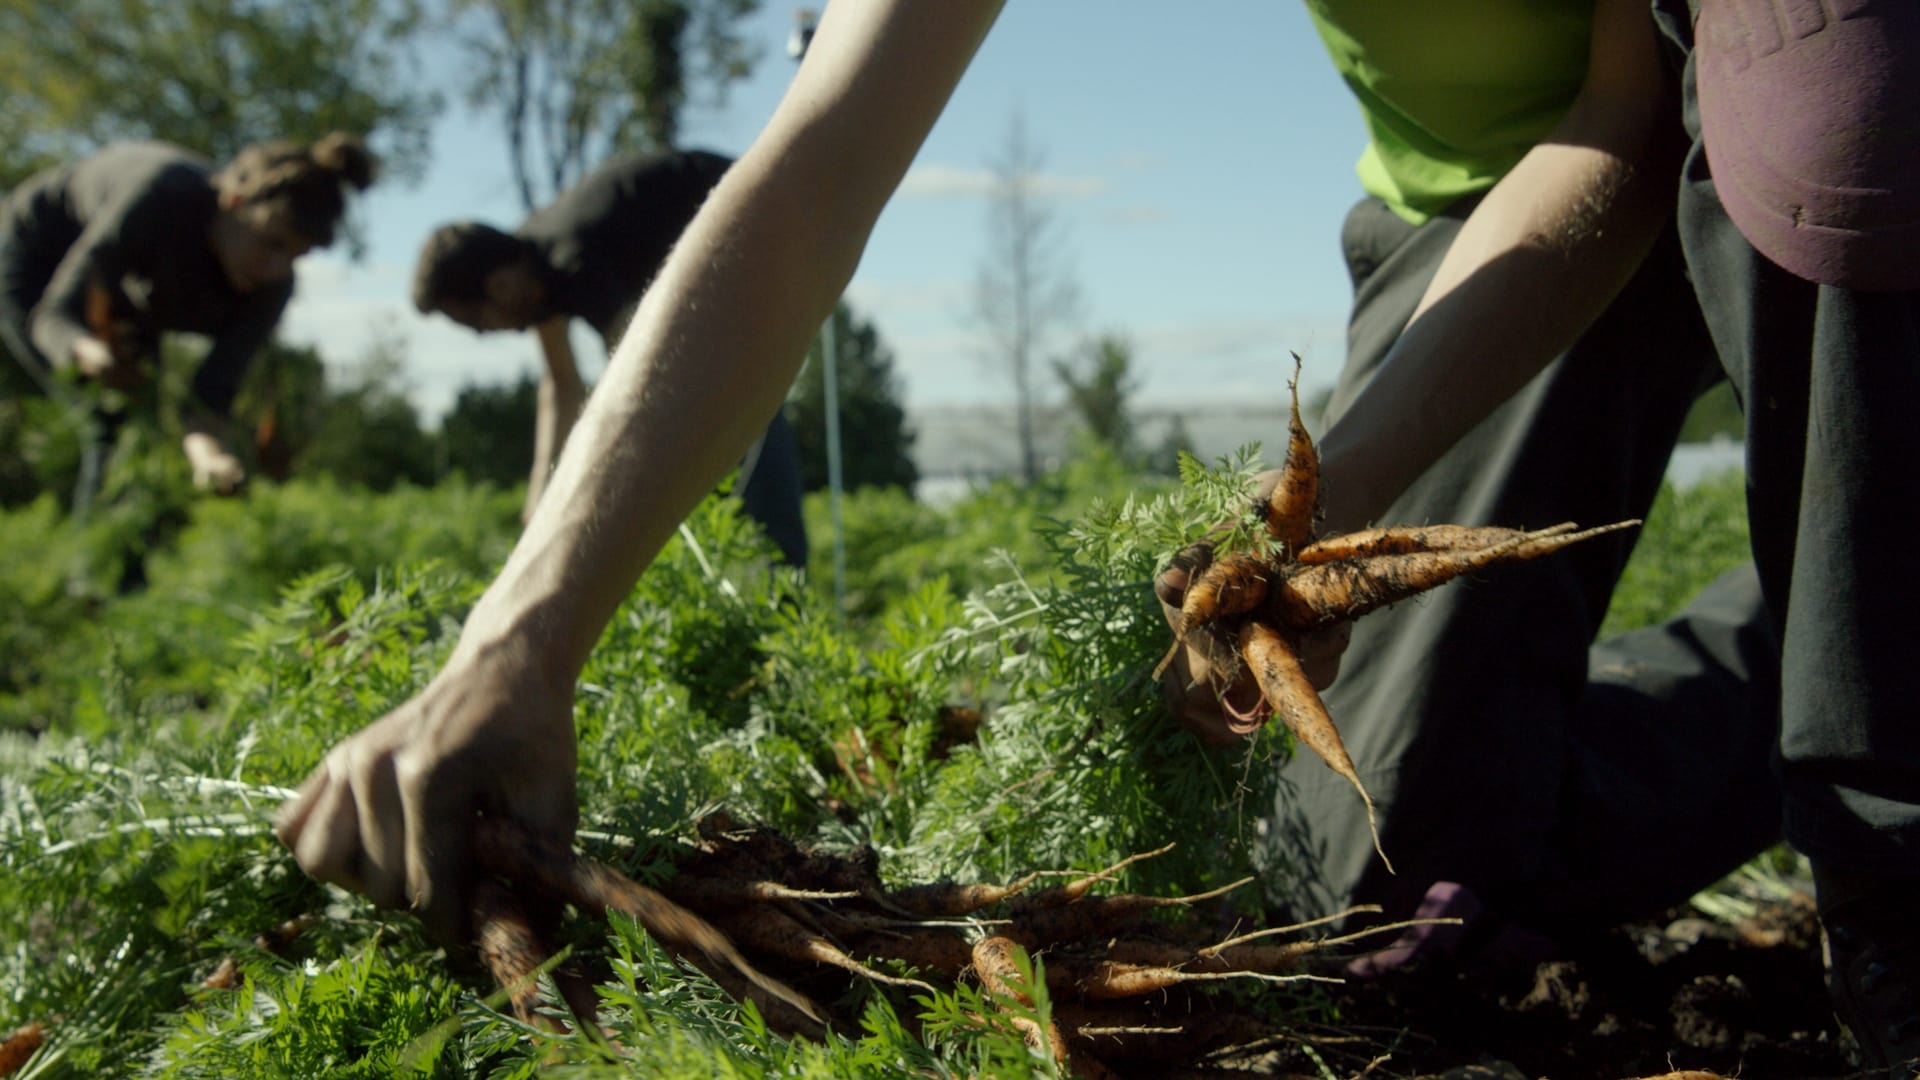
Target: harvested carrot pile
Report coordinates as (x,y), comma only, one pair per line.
(793,929)
(1253,607)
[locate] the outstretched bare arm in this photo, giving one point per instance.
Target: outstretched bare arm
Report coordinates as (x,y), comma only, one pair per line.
(707,360)
(1535,264)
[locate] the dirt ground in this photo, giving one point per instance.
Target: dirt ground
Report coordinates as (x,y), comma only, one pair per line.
(1683,995)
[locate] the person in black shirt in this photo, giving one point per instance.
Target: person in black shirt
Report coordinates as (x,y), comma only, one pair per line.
(590,255)
(98,257)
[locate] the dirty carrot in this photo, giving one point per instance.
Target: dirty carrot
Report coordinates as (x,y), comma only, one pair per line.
(993,963)
(1277,669)
(1295,498)
(1232,585)
(772,932)
(1075,889)
(945,899)
(511,949)
(1407,539)
(780,1015)
(514,853)
(1313,597)
(1105,980)
(1269,959)
(703,892)
(1096,917)
(946,953)
(1117,1034)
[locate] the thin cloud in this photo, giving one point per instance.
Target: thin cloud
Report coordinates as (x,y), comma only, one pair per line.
(909,298)
(1236,339)
(1138,214)
(949,182)
(1136,161)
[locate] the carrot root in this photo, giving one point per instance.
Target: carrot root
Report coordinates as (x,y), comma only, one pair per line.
(1296,497)
(1277,669)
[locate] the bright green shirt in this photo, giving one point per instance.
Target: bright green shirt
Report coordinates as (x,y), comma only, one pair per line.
(1453,93)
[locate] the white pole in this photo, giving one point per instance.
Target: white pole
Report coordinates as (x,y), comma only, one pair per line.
(804,21)
(830,380)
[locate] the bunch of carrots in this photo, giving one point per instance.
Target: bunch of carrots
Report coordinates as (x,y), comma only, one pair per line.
(792,929)
(1257,605)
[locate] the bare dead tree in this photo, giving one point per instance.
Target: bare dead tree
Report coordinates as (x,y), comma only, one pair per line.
(1025,294)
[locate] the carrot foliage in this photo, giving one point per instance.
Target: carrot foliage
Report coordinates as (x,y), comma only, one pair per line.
(977,723)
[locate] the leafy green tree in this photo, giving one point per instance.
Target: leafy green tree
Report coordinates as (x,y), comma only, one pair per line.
(876,446)
(213,75)
(370,434)
(1100,383)
(281,407)
(577,81)
(488,434)
(1164,460)
(39,448)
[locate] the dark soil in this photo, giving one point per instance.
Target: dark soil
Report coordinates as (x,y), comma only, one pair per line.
(1682,994)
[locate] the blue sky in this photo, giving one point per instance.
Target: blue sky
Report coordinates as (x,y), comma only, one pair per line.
(1198,162)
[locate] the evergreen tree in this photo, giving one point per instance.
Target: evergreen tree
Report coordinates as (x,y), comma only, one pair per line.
(1100,381)
(1165,459)
(876,446)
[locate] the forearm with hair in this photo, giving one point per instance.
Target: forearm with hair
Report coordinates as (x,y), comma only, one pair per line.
(561,396)
(1517,289)
(1539,260)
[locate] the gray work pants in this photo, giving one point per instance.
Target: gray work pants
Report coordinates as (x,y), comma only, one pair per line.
(1566,783)
(1830,382)
(770,489)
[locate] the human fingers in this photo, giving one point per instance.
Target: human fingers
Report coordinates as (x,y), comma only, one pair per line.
(382,828)
(531,785)
(291,818)
(1211,695)
(321,828)
(439,814)
(1263,485)
(1170,585)
(1194,714)
(1321,651)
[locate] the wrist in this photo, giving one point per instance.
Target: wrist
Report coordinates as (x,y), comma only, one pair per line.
(520,643)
